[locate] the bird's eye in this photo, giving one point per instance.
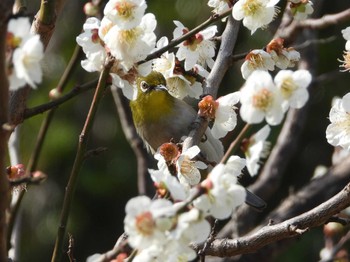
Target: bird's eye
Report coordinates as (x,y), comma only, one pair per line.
(144,86)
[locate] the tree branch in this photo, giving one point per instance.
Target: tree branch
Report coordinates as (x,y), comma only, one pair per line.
(5,7)
(30,112)
(287,229)
(79,159)
(184,37)
(136,143)
(217,73)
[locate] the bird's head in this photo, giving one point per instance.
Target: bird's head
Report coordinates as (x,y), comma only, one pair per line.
(153,100)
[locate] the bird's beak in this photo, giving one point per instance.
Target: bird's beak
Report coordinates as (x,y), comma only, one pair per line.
(160,88)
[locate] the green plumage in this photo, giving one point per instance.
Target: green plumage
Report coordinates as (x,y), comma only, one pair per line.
(159,117)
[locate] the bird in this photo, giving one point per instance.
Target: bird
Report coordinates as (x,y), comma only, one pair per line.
(160,117)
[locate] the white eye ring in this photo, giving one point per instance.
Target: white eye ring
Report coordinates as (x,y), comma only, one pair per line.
(144,86)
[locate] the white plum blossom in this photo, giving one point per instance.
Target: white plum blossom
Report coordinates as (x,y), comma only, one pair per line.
(338,131)
(257,60)
(255,13)
(92,45)
(261,99)
(178,84)
(164,180)
(27,51)
(301,9)
(346,35)
(257,148)
(222,111)
(144,221)
(187,169)
(26,63)
(172,250)
(132,45)
(220,6)
(125,13)
(165,64)
(224,194)
(192,227)
(129,90)
(293,87)
(225,117)
(283,57)
(18,30)
(198,49)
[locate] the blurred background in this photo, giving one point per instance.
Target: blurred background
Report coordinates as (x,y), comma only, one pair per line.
(107,181)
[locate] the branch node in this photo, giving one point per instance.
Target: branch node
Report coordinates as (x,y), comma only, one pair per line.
(295,229)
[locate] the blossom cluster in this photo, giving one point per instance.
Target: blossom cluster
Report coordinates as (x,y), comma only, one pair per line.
(159,227)
(259,13)
(24,54)
(127,33)
(265,98)
(275,55)
(301,9)
(346,55)
(337,133)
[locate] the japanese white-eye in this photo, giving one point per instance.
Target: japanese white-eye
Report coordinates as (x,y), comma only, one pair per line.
(159,118)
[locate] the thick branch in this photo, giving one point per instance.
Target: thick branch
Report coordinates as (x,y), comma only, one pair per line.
(290,32)
(215,77)
(287,229)
(5,7)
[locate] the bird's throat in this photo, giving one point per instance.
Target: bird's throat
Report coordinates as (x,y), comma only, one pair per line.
(152,108)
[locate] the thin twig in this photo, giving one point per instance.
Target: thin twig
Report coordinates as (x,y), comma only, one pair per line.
(30,112)
(79,159)
(184,37)
(36,179)
(236,143)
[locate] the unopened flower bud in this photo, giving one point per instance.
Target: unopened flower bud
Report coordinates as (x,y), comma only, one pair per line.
(54,94)
(331,229)
(90,9)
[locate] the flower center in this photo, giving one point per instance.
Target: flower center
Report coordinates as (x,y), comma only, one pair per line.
(187,167)
(145,223)
(263,99)
(251,7)
(125,9)
(346,61)
(288,87)
(129,37)
(94,36)
(193,41)
(12,41)
(255,60)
